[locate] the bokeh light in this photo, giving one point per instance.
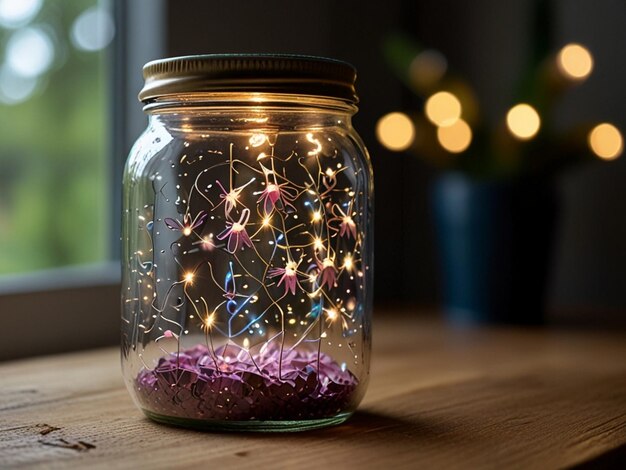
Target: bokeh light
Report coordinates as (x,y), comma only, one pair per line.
(427,68)
(14,88)
(523,121)
(575,61)
(443,109)
(93,30)
(455,138)
(395,131)
(16,13)
(605,140)
(29,51)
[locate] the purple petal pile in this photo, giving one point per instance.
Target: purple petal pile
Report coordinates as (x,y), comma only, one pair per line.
(235,385)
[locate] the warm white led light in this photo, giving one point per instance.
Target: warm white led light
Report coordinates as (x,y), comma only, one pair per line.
(523,121)
(395,131)
(605,140)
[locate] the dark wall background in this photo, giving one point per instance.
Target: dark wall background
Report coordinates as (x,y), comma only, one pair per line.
(486,40)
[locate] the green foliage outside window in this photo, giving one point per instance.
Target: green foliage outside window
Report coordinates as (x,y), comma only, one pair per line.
(54,170)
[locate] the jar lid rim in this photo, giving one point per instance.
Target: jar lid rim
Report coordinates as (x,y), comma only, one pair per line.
(269,73)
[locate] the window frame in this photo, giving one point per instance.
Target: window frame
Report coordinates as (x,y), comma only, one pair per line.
(77,307)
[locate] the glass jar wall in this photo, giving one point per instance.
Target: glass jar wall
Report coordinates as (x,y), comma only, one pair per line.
(247,262)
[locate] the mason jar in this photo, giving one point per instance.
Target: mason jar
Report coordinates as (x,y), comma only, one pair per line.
(247,245)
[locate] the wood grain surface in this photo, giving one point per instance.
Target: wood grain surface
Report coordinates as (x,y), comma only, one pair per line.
(438,398)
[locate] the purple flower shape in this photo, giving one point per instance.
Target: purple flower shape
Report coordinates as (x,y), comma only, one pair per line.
(328,272)
(269,197)
(274,193)
(188,225)
(288,275)
(347,227)
(230,198)
(236,233)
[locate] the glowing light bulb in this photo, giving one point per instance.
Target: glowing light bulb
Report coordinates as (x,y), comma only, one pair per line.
(605,140)
(317,216)
(348,262)
(246,343)
(443,109)
(395,131)
(187,231)
(188,278)
(455,138)
(332,314)
(575,61)
(290,268)
(256,140)
(207,242)
(266,221)
(209,321)
(318,244)
(523,121)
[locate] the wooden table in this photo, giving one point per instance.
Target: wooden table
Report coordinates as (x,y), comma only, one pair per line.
(438,398)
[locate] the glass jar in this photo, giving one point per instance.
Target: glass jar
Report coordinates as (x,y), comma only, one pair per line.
(247,245)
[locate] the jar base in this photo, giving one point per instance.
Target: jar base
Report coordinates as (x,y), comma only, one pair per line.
(248,426)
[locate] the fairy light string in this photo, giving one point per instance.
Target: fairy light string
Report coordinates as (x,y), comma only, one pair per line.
(266,248)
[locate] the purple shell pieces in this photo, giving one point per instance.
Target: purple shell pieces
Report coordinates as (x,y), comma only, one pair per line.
(237,385)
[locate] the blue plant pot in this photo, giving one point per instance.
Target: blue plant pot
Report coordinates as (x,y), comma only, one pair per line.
(495,241)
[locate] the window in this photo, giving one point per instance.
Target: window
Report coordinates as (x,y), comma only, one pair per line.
(54,204)
(69,76)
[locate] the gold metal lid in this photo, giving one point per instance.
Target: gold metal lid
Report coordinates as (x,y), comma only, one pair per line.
(263,73)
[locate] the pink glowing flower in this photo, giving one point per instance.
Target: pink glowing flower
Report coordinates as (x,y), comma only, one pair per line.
(347,227)
(207,243)
(327,272)
(188,225)
(269,196)
(230,198)
(275,192)
(168,334)
(288,275)
(338,313)
(236,233)
(329,180)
